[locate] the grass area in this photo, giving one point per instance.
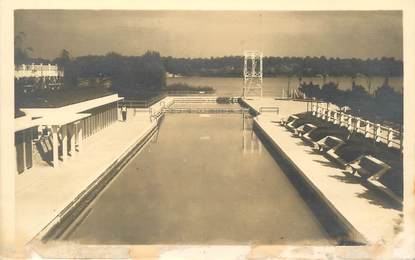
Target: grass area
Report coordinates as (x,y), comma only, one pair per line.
(60,98)
(358,145)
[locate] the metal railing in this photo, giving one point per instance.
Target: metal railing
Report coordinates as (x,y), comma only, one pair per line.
(141,103)
(204,110)
(375,131)
(269,109)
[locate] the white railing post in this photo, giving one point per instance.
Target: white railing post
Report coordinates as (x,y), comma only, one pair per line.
(341,118)
(350,125)
(390,137)
(367,128)
(336,117)
(324,111)
(378,133)
(358,125)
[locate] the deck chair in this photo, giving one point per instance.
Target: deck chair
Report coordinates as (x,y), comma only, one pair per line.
(307,130)
(371,170)
(328,143)
(368,167)
(285,121)
(290,122)
(304,129)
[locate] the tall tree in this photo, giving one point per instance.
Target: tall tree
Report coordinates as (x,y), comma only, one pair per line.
(64,61)
(22,54)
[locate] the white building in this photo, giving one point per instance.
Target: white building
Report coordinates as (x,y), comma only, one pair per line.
(37,71)
(58,132)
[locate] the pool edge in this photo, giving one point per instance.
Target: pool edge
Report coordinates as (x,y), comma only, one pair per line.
(58,225)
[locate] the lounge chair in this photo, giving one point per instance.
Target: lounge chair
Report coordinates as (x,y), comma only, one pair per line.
(304,129)
(290,122)
(285,121)
(368,167)
(371,170)
(328,143)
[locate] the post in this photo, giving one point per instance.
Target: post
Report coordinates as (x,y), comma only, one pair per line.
(389,137)
(117,111)
(28,148)
(72,139)
(323,111)
(336,118)
(81,137)
(78,135)
(367,128)
(341,118)
(55,146)
(350,123)
(64,132)
(318,111)
(378,137)
(357,124)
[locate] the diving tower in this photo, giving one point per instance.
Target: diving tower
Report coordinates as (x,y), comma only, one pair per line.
(252,74)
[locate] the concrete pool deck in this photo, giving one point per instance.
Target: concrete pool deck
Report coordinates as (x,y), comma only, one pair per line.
(43,192)
(361,209)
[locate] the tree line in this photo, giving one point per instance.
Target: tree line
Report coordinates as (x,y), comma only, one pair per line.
(232,66)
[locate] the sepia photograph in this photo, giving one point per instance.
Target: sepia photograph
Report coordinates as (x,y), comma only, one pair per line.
(207,133)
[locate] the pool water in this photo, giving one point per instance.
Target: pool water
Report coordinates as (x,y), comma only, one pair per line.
(202,179)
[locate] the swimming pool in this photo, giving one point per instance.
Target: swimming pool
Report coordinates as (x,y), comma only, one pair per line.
(202,179)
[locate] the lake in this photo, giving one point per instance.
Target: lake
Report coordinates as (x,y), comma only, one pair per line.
(226,86)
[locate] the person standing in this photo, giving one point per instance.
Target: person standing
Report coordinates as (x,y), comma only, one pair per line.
(124,112)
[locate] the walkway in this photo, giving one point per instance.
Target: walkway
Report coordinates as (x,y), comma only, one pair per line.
(42,192)
(365,210)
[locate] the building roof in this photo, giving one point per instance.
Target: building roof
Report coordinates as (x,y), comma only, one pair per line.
(57,119)
(79,107)
(61,115)
(61,98)
(25,122)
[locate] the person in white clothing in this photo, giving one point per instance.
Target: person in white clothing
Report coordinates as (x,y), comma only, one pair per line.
(124,112)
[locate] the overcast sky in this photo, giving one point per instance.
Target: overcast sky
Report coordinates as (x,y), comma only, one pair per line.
(207,33)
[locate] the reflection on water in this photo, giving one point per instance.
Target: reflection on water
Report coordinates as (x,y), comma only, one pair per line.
(250,142)
(196,184)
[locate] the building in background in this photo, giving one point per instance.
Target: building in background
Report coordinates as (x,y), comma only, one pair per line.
(33,77)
